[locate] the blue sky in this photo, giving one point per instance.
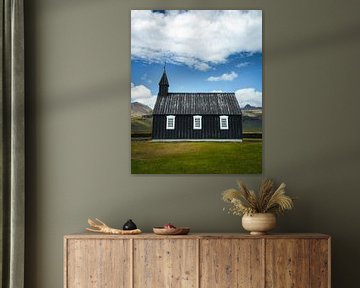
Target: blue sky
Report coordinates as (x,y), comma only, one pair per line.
(204,51)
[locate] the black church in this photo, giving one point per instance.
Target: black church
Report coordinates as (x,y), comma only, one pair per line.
(195,116)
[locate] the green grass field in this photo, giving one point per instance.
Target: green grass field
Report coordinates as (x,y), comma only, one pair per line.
(196,157)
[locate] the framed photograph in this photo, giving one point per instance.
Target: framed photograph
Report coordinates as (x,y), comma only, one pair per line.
(196,92)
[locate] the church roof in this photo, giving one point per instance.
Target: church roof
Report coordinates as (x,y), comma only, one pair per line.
(164,79)
(197,103)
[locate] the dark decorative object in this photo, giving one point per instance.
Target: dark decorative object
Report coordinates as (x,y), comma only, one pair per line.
(129,225)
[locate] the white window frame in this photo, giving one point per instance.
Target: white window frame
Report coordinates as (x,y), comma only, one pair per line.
(226,118)
(168,118)
(197,117)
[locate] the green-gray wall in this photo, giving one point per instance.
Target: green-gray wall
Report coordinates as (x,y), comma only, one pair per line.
(78,126)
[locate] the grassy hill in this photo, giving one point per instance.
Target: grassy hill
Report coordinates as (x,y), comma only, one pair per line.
(141,119)
(141,125)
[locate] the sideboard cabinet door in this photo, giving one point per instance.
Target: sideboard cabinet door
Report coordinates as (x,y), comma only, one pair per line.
(165,263)
(231,263)
(98,263)
(297,263)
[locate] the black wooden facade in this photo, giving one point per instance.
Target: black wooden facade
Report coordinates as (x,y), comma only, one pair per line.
(210,128)
(184,106)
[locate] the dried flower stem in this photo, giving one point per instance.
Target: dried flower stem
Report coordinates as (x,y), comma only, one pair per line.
(245,201)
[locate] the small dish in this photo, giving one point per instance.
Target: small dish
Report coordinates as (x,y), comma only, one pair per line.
(171,231)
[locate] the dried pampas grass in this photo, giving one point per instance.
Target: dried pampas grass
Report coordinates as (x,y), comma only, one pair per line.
(244,201)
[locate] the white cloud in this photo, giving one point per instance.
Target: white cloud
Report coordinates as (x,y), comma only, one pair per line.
(148,101)
(249,96)
(224,77)
(202,66)
(196,38)
(139,92)
(217,91)
(142,94)
(242,64)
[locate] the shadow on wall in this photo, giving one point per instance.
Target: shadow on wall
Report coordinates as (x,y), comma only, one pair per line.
(91,95)
(313,43)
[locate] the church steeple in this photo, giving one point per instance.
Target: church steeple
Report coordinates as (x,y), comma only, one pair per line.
(163,84)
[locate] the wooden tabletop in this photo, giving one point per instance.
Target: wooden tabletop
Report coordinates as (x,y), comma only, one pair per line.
(89,235)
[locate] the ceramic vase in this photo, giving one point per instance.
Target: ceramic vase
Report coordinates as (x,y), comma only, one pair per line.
(259,223)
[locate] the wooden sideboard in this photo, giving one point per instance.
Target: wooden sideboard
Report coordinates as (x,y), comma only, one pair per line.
(197,260)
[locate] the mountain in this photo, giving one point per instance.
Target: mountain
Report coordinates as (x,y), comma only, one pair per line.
(252,118)
(249,107)
(139,110)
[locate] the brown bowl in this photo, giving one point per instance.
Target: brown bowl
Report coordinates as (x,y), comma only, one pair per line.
(171,231)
